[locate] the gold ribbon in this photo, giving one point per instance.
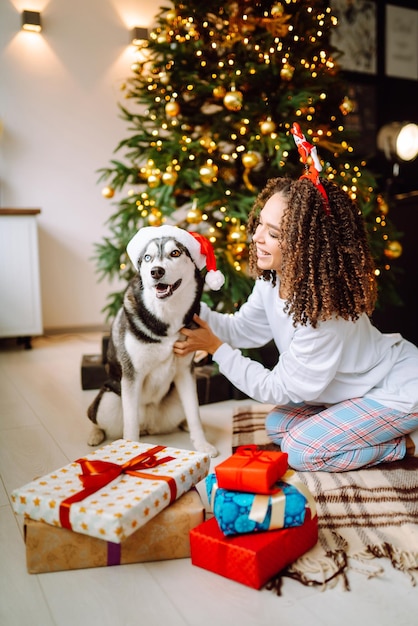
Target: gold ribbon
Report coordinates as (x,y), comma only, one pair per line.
(291,479)
(261,503)
(259,507)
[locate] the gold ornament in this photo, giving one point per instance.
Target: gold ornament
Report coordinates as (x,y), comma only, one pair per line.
(347,105)
(162,37)
(194,216)
(287,72)
(208,173)
(155,218)
(108,192)
(277,10)
(171,16)
(172,108)
(219,92)
(169,178)
(233,100)
(136,67)
(164,78)
(239,251)
(393,250)
(237,234)
(250,160)
(207,142)
(267,126)
(154,180)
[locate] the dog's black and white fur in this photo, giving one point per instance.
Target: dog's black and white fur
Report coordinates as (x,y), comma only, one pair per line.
(150,390)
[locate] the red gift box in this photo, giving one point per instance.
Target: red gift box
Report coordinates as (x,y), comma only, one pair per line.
(252,470)
(251,559)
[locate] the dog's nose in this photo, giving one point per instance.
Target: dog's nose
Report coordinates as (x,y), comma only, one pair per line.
(157,272)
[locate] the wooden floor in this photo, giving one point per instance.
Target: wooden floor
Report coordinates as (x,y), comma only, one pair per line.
(42,427)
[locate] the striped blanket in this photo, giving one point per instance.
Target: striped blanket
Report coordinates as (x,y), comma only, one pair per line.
(362,515)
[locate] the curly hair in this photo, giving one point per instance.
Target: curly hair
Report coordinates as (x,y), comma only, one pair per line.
(327,268)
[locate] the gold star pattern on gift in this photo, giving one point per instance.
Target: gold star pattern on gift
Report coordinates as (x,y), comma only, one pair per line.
(126,504)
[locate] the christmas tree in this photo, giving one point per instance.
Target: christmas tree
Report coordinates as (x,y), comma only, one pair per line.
(209,107)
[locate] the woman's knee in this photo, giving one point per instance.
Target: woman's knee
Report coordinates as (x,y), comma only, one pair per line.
(300,458)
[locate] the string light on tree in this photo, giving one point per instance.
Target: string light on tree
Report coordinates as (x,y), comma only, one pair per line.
(155,218)
(382,204)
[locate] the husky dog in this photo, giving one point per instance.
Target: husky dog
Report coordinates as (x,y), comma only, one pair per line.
(150,390)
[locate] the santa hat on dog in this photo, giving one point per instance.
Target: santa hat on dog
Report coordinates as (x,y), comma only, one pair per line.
(200,249)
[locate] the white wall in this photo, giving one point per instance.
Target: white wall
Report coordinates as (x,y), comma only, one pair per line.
(58,107)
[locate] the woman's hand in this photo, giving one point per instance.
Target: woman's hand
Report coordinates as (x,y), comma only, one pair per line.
(201,338)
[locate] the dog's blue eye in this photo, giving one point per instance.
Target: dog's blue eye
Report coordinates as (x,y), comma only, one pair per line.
(175,253)
(147,258)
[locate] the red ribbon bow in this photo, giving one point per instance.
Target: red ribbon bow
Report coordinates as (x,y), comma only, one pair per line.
(97,474)
(253,453)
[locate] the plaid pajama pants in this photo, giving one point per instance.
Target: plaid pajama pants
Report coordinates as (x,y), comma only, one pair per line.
(345,436)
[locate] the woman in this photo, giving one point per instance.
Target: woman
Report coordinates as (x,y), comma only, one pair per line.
(346,394)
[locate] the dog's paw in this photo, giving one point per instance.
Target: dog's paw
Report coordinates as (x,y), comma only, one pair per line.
(208,448)
(97,435)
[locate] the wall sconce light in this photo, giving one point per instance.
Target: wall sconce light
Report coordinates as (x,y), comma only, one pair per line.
(399,141)
(139,36)
(31,20)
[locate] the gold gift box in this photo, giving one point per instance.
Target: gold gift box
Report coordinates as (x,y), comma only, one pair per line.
(166,536)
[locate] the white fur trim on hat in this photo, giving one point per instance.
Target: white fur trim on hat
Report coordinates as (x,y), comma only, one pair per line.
(200,248)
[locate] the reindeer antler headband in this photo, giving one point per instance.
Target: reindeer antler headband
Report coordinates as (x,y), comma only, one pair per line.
(313,168)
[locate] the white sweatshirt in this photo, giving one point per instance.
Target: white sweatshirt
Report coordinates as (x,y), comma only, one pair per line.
(336,361)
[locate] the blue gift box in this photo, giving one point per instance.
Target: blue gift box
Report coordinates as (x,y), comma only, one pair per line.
(239,512)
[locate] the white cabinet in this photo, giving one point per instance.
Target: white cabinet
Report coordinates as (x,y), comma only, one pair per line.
(20,294)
